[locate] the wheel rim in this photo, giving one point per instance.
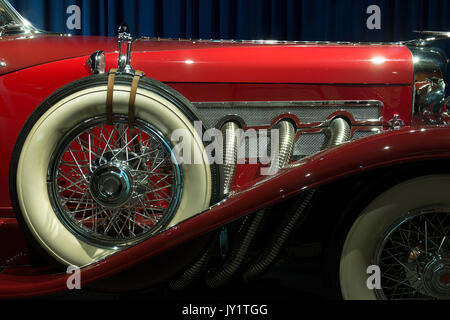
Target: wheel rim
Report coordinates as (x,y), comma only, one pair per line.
(110,189)
(414,256)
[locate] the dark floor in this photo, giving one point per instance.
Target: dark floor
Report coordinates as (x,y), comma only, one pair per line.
(283,282)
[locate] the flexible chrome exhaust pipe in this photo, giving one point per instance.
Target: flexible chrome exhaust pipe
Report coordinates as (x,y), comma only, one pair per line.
(287,139)
(252,224)
(339,132)
(230,137)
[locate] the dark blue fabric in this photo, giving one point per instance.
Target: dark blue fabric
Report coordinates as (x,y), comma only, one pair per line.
(332,20)
(244,19)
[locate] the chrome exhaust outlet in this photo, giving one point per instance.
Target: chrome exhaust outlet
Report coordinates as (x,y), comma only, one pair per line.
(287,139)
(230,137)
(339,132)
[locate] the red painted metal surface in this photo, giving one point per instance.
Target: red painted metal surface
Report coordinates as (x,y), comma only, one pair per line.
(15,253)
(193,61)
(285,64)
(21,93)
(19,52)
(377,151)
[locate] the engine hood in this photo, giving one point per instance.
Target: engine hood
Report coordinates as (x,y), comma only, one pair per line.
(228,61)
(21,52)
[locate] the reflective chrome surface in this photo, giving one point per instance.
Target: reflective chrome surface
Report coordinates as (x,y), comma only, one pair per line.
(110,189)
(396,123)
(111,184)
(305,114)
(17,23)
(428,38)
(286,143)
(430,95)
(312,119)
(271,42)
(230,137)
(125,42)
(414,256)
(96,62)
(339,132)
(430,69)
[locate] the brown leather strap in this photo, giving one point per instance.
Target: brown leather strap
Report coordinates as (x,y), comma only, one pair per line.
(131,107)
(109,96)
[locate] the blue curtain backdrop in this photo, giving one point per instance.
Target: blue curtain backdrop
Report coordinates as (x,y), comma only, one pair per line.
(334,20)
(243,19)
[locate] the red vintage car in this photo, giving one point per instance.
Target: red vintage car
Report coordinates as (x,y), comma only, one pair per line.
(144,162)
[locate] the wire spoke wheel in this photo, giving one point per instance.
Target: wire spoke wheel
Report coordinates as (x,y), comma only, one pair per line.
(111,188)
(414,257)
(405,232)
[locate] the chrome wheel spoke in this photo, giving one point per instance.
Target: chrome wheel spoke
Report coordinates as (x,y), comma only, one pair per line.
(108,192)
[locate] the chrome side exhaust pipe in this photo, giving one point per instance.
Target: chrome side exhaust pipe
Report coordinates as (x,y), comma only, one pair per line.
(339,132)
(287,139)
(230,137)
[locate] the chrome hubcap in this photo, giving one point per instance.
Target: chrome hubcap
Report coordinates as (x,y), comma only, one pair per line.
(111,189)
(436,277)
(414,256)
(110,185)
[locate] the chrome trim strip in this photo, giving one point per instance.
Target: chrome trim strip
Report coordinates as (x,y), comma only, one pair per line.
(271,42)
(432,36)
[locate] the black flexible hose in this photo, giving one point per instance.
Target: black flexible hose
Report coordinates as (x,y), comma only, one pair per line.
(278,239)
(239,251)
(193,273)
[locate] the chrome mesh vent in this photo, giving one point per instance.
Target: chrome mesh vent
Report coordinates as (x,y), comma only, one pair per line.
(309,144)
(314,117)
(255,114)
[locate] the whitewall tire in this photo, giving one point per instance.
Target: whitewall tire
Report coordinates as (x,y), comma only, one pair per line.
(377,221)
(157,106)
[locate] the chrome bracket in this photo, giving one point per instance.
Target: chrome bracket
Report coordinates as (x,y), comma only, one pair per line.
(396,123)
(124,43)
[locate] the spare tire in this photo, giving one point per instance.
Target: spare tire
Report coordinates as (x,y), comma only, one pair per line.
(84,190)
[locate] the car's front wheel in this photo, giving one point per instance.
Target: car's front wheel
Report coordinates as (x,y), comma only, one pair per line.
(405,233)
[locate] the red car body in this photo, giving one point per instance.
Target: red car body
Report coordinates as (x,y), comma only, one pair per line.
(212,71)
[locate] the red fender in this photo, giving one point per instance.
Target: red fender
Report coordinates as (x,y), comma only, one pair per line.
(389,148)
